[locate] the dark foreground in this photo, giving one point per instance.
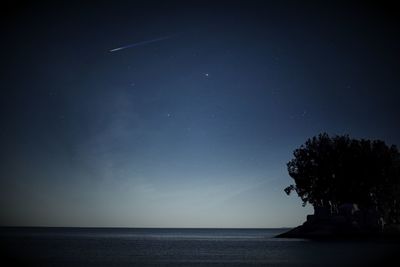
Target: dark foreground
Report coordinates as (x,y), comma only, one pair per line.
(183,247)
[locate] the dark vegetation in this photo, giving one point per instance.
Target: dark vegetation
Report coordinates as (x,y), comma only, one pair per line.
(331,172)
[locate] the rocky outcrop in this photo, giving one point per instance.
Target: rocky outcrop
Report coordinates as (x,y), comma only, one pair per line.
(347,222)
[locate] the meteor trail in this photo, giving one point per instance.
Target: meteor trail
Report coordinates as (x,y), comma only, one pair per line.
(141,43)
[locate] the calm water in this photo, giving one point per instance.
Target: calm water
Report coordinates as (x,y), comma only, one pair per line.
(182,247)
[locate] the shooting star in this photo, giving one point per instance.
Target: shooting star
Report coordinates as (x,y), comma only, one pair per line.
(141,43)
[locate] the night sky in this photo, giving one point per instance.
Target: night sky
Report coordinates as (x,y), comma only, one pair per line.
(190,123)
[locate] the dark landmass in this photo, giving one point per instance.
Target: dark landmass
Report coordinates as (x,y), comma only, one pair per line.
(329,232)
(353,185)
(347,224)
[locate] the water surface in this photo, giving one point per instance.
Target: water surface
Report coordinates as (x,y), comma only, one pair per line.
(182,247)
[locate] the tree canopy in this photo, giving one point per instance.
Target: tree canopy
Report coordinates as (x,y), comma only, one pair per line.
(330,171)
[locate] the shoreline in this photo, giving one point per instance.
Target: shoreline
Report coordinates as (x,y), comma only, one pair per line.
(318,232)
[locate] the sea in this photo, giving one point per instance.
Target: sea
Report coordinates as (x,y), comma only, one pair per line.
(43,246)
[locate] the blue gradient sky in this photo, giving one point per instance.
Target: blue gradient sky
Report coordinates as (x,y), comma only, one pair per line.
(190,131)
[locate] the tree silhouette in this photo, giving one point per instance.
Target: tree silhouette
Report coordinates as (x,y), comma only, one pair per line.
(330,171)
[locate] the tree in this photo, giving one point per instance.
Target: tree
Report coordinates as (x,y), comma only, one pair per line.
(330,171)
